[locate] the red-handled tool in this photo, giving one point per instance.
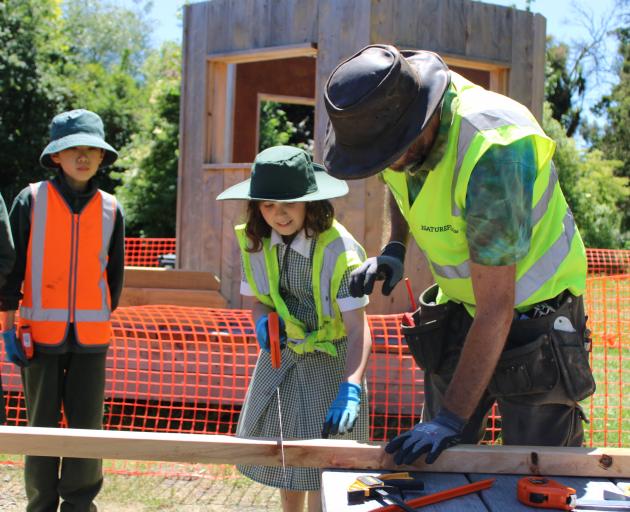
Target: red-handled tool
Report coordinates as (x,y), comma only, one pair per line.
(412,300)
(407,318)
(274,339)
(441,496)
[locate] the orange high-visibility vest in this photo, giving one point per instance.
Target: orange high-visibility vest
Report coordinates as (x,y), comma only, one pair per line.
(66,268)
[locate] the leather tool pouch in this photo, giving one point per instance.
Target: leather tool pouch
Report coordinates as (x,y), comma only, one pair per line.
(426,338)
(573,361)
(557,353)
(525,370)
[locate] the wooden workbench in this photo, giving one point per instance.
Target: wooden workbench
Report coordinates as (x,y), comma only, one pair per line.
(501,497)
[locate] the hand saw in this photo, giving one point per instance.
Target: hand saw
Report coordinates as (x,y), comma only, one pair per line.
(273,324)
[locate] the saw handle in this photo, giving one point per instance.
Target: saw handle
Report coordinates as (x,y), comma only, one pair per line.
(274,339)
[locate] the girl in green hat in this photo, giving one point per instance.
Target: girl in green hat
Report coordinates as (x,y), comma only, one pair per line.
(297,260)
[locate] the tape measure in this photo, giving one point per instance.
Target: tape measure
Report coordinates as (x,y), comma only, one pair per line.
(541,492)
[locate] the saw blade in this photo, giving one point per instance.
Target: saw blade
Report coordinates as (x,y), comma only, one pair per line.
(284,466)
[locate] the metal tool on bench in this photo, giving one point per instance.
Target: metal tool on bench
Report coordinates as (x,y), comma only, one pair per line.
(383,488)
(273,324)
(440,496)
(541,492)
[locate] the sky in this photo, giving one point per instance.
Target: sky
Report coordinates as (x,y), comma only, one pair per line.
(562,22)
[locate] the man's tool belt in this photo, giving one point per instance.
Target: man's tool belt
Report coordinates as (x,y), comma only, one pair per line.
(540,353)
(426,339)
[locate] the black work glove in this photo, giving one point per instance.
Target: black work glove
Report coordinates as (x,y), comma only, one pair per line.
(432,437)
(389,266)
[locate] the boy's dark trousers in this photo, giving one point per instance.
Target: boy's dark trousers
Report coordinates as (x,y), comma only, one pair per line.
(78,382)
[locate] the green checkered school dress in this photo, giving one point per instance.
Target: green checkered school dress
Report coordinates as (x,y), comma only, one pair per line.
(308,384)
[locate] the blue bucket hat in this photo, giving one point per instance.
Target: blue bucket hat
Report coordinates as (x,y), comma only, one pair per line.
(77,128)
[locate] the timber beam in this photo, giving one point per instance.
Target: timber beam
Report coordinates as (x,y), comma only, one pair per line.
(321,453)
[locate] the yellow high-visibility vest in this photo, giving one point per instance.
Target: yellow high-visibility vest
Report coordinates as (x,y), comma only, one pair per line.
(336,250)
(556,260)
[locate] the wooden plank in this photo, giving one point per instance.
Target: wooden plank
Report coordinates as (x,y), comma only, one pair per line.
(520,83)
(193,107)
(226,166)
(335,484)
(538,66)
(191,298)
(343,29)
(156,277)
(269,53)
(489,29)
(219,449)
(233,214)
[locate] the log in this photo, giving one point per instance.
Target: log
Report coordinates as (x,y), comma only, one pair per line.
(219,449)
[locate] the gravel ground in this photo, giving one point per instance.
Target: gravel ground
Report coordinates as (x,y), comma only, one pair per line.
(219,490)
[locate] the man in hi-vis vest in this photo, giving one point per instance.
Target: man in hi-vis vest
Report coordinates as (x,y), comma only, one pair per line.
(471,177)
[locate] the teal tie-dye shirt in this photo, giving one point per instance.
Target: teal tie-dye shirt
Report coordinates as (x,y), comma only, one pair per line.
(499,197)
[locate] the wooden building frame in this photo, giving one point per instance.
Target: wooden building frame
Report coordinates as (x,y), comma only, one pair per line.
(501,46)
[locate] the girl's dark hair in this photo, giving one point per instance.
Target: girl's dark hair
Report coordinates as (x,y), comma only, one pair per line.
(319,217)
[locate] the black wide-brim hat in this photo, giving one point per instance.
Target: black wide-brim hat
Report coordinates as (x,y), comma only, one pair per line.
(379,101)
(286,174)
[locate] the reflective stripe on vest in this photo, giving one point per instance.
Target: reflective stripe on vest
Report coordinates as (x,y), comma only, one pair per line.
(66,278)
(556,260)
(335,251)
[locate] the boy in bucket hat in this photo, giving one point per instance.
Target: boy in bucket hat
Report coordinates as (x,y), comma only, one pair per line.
(471,176)
(69,242)
(297,261)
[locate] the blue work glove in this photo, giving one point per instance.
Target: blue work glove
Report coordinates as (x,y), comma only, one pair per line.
(389,266)
(262,333)
(344,410)
(432,437)
(13,348)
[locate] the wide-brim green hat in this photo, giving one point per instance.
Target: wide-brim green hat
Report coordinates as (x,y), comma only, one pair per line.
(286,174)
(77,128)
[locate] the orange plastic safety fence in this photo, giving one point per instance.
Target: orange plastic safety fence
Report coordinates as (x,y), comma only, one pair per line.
(608,307)
(608,261)
(179,369)
(145,252)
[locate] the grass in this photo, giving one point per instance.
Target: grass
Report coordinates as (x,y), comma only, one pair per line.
(213,488)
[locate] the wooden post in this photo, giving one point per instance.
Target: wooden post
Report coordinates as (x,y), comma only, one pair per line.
(219,449)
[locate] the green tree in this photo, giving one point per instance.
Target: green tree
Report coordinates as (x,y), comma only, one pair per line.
(108,45)
(614,141)
(104,32)
(31,57)
(149,182)
(84,55)
(565,85)
(286,123)
(592,190)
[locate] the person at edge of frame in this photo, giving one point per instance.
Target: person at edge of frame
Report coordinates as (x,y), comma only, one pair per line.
(7,259)
(69,240)
(470,175)
(296,260)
